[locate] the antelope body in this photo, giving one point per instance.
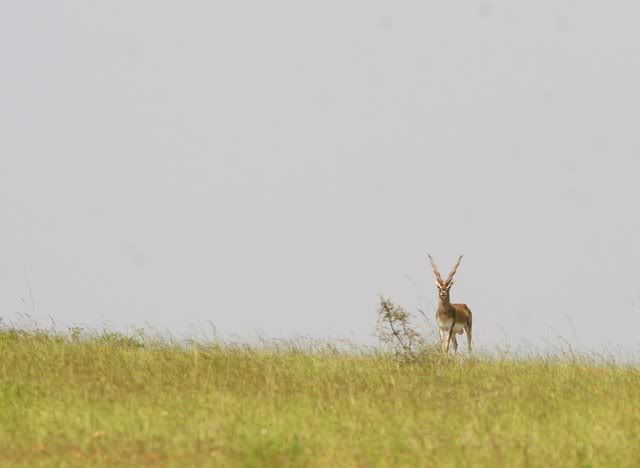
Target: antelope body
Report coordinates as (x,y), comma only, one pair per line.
(452,319)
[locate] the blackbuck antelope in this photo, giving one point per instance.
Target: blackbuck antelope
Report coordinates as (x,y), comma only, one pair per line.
(452,319)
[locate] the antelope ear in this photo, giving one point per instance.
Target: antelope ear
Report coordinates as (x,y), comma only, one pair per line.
(438,284)
(450,284)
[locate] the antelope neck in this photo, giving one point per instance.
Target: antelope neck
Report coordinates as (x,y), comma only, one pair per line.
(445,301)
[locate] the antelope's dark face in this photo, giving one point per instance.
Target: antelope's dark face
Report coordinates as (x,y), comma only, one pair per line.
(443,289)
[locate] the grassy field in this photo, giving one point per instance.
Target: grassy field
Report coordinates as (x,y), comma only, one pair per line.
(111,400)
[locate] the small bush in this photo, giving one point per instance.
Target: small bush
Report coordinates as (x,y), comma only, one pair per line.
(396,330)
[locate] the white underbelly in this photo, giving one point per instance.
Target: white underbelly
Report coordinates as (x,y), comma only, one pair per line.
(446,326)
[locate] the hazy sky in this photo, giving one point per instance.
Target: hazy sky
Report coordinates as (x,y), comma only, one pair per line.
(272,167)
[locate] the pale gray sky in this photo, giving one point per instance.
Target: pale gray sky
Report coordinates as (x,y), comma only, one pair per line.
(274,166)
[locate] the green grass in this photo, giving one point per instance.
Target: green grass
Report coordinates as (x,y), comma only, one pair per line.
(112,400)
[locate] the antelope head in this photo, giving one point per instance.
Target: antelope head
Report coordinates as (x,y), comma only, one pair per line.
(444,285)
